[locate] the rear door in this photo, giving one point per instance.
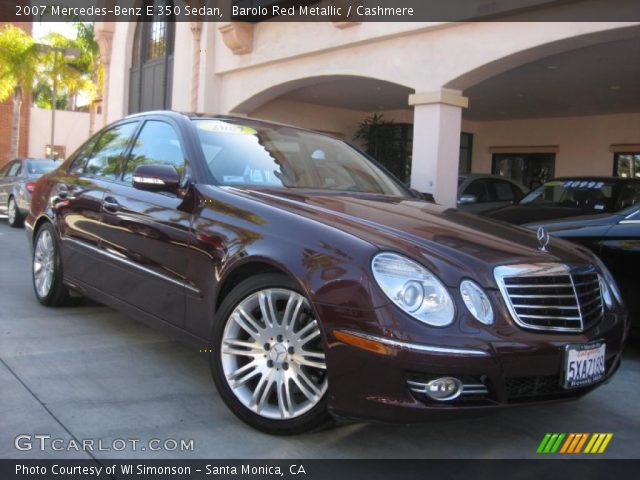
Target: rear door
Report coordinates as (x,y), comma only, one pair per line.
(146,234)
(7,181)
(77,195)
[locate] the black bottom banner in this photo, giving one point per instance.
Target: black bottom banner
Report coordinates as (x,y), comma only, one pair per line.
(317,469)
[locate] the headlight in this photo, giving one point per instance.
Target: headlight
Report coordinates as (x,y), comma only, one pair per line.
(608,284)
(413,288)
(477,301)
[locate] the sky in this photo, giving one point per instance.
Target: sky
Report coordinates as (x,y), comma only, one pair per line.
(42,29)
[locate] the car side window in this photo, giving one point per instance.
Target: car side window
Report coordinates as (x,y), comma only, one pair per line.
(14,169)
(630,196)
(503,191)
(107,156)
(479,189)
(80,157)
(157,143)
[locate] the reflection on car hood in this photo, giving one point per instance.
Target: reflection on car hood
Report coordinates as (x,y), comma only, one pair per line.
(600,220)
(521,214)
(454,243)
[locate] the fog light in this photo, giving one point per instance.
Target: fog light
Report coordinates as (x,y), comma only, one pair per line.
(443,389)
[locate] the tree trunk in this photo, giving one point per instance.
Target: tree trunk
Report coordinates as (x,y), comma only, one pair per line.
(15,126)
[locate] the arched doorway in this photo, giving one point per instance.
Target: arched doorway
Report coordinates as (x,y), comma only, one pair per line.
(151,74)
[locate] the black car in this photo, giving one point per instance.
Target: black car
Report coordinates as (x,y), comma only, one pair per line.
(615,238)
(571,197)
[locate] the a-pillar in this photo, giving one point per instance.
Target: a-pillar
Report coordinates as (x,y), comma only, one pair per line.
(437,118)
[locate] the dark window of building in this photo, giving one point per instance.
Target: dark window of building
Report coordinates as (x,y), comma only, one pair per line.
(626,165)
(466,148)
(150,78)
(530,169)
(391,145)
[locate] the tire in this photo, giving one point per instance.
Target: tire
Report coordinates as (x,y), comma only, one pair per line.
(46,269)
(14,217)
(270,373)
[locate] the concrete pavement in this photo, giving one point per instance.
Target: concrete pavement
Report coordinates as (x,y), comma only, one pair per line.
(90,373)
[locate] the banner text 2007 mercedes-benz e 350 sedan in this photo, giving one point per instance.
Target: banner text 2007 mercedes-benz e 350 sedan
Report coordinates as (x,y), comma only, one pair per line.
(322,286)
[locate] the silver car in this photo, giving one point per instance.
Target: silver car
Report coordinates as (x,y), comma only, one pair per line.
(17,179)
(480,192)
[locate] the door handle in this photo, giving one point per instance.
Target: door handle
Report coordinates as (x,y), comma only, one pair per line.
(110,204)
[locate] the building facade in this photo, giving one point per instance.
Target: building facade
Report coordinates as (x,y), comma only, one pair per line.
(528,100)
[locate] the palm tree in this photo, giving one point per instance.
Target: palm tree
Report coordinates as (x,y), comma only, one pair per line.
(18,66)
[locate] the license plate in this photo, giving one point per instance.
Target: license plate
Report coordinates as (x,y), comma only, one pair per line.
(584,365)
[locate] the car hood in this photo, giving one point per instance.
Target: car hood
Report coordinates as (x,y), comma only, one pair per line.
(452,243)
(521,214)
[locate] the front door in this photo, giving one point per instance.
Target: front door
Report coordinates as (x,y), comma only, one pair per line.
(146,234)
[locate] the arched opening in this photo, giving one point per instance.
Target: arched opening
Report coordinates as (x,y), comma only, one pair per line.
(372,113)
(151,73)
(573,112)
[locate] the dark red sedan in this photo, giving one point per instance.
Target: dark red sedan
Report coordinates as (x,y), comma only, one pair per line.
(321,285)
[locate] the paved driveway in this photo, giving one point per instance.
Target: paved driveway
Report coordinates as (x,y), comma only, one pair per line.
(91,373)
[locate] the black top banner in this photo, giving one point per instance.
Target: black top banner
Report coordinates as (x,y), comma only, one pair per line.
(319,10)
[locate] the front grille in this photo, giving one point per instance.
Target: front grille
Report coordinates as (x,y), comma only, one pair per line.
(552,296)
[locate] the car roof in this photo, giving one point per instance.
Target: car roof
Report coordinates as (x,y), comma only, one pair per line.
(204,116)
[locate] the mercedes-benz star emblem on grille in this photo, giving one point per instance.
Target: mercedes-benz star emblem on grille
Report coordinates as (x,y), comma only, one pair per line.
(543,239)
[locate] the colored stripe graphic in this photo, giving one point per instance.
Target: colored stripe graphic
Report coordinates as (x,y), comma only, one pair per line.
(573,443)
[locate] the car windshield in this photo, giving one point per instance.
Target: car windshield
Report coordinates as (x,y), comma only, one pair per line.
(284,157)
(597,195)
(40,167)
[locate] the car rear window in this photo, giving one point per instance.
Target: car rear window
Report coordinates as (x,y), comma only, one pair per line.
(40,167)
(584,194)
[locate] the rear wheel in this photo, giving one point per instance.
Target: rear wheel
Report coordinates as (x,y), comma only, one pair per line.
(14,217)
(268,358)
(47,269)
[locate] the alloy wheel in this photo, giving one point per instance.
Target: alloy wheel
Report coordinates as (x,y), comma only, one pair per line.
(44,263)
(272,356)
(12,212)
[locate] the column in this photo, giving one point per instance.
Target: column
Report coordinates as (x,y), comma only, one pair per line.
(437,120)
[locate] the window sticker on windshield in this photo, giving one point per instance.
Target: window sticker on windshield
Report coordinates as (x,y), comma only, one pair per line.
(233,179)
(222,127)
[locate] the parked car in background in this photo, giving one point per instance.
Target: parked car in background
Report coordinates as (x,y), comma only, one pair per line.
(479,192)
(571,197)
(17,179)
(615,238)
(316,282)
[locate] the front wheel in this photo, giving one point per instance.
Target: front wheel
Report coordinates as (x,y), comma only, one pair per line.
(268,359)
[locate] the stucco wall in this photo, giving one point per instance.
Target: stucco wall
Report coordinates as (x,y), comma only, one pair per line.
(583,142)
(72,129)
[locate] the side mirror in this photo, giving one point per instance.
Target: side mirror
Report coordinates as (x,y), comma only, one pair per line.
(428,197)
(467,199)
(156,178)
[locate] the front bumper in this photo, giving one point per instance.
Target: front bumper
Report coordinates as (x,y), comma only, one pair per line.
(501,365)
